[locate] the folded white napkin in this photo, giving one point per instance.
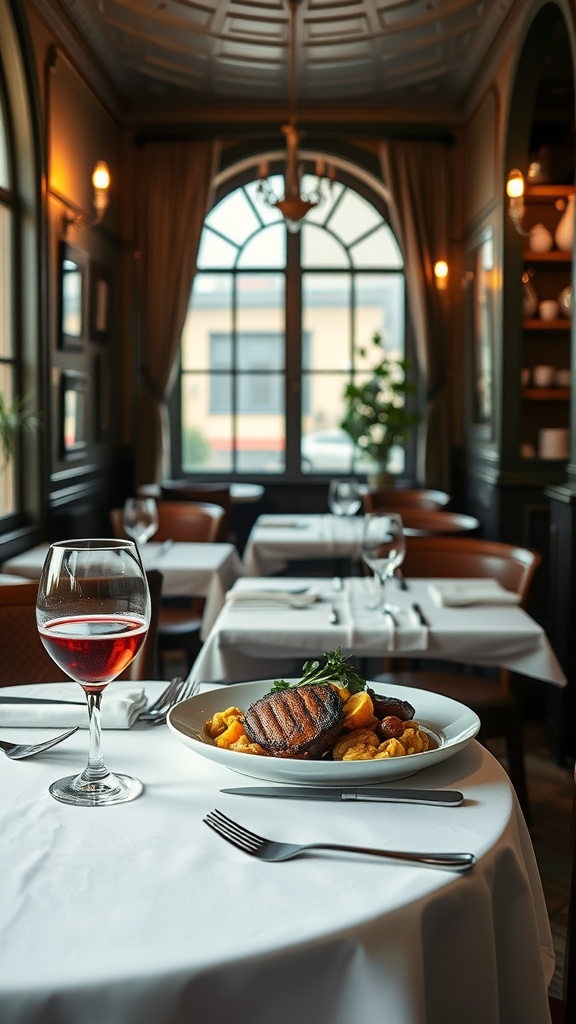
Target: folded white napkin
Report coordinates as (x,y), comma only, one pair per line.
(454,593)
(121,705)
(274,596)
(281,524)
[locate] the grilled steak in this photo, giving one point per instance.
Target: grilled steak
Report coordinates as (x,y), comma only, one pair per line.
(384,706)
(300,722)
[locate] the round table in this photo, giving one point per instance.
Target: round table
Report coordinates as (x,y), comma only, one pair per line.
(140,914)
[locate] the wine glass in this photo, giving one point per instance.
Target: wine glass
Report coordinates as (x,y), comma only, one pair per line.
(383,549)
(344,497)
(93,613)
(140,518)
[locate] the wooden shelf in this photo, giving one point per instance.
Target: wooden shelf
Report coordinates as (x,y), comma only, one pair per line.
(535,324)
(535,193)
(552,256)
(546,394)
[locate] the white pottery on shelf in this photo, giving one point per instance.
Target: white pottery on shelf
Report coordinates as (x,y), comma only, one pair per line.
(565,301)
(564,234)
(540,239)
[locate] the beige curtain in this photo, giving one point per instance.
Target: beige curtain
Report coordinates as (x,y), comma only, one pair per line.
(175,193)
(418,176)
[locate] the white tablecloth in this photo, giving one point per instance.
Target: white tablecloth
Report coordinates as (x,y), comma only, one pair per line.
(275,540)
(189,570)
(139,914)
(255,642)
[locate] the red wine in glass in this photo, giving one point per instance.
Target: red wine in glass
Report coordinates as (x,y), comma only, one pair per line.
(93,613)
(93,649)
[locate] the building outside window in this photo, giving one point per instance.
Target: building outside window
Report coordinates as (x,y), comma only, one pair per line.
(273,329)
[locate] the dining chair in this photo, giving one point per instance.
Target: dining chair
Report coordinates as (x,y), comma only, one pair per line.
(216,493)
(190,521)
(402,497)
(424,522)
(24,658)
(180,619)
(492,699)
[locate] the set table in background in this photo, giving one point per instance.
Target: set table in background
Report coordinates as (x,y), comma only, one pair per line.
(255,639)
(188,570)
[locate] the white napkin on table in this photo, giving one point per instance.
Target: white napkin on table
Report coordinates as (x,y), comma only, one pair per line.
(454,593)
(121,705)
(263,595)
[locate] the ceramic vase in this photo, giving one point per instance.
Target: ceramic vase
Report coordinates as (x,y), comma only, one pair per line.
(540,239)
(564,234)
(565,301)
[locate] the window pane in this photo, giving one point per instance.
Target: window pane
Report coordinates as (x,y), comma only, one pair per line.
(260,302)
(353,217)
(380,309)
(379,249)
(7,472)
(206,437)
(233,218)
(319,249)
(332,192)
(214,252)
(261,439)
(210,311)
(326,320)
(6,332)
(4,179)
(266,249)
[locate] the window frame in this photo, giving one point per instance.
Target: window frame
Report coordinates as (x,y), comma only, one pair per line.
(293,376)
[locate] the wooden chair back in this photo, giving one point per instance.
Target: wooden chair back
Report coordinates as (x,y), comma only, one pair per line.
(23,657)
(461,557)
(193,521)
(424,522)
(215,493)
(403,497)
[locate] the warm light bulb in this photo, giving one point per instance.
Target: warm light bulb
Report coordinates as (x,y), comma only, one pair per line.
(101,175)
(515,184)
(441,270)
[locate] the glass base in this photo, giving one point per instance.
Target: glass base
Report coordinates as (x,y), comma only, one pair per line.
(112,789)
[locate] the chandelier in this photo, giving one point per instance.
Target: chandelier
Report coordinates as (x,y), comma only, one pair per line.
(296,203)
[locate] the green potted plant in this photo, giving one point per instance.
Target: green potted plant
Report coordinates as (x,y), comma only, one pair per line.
(13,418)
(376,416)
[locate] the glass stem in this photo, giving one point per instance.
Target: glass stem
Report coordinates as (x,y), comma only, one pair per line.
(95,769)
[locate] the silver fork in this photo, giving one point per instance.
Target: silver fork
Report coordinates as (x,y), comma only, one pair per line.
(176,691)
(19,750)
(266,849)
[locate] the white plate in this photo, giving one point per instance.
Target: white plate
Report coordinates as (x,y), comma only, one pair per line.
(452,724)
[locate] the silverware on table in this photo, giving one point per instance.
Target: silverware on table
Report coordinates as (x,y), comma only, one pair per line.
(437,797)
(176,691)
(268,850)
(164,547)
(17,751)
(420,614)
(39,700)
(400,579)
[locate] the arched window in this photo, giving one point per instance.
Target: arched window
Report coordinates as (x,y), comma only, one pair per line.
(20,305)
(273,332)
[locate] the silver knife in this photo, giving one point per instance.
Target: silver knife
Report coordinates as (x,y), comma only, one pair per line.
(441,797)
(38,700)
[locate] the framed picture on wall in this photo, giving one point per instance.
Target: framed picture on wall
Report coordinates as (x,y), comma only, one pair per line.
(74,414)
(73,292)
(99,303)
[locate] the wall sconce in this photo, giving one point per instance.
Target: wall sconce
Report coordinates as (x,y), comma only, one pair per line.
(515,193)
(441,275)
(101,184)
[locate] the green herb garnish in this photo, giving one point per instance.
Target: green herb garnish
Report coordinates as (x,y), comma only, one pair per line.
(335,669)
